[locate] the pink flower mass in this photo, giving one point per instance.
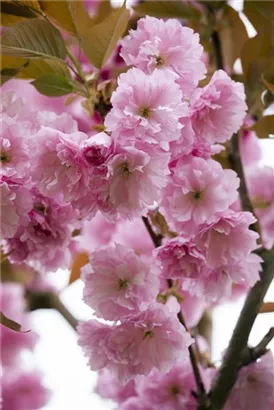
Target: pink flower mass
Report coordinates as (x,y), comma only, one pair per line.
(144,180)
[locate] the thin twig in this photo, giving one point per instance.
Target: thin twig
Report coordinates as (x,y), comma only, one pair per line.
(156,239)
(49,300)
(201,392)
(251,354)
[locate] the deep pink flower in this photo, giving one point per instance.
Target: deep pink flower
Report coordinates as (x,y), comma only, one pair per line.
(16,202)
(146,108)
(197,190)
(43,241)
(14,148)
(118,283)
(97,149)
(152,339)
(24,391)
(254,386)
(218,109)
(167,46)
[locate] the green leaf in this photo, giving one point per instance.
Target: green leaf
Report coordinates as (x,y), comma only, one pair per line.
(8,73)
(264,127)
(101,39)
(233,35)
(33,38)
(68,14)
(30,69)
(166,9)
(11,324)
(53,85)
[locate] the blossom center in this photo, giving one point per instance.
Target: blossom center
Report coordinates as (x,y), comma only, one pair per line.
(148,334)
(197,195)
(159,61)
(125,169)
(4,157)
(122,284)
(174,390)
(144,112)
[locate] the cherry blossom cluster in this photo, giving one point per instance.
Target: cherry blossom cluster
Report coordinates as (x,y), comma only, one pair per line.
(21,387)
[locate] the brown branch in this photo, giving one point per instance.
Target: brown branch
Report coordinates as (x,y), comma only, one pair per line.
(156,239)
(251,354)
(49,300)
(228,372)
(201,392)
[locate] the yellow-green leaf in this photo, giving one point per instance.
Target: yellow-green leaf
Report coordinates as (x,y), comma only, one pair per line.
(33,38)
(167,9)
(268,77)
(80,260)
(264,127)
(260,13)
(11,324)
(53,85)
(60,13)
(80,17)
(233,35)
(30,69)
(101,39)
(12,14)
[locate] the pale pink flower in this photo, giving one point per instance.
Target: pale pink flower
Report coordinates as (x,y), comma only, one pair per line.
(14,148)
(218,109)
(228,240)
(254,386)
(179,258)
(172,390)
(167,46)
(96,232)
(146,108)
(197,190)
(109,387)
(135,403)
(16,202)
(23,390)
(151,339)
(135,179)
(63,122)
(185,144)
(118,283)
(262,197)
(43,242)
(58,167)
(12,304)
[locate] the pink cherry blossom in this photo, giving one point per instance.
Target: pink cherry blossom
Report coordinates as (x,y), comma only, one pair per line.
(13,306)
(23,390)
(228,240)
(151,339)
(135,179)
(16,202)
(135,403)
(109,387)
(58,167)
(168,46)
(250,148)
(14,148)
(197,190)
(218,109)
(170,390)
(179,258)
(97,149)
(43,241)
(118,283)
(254,386)
(146,108)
